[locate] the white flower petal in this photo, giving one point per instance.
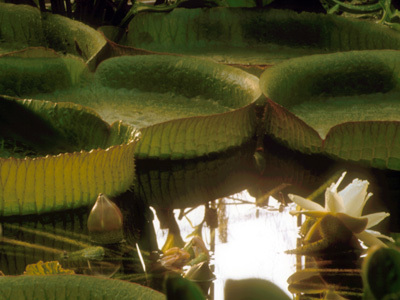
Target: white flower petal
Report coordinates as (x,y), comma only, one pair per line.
(354,196)
(336,185)
(305,203)
(309,213)
(359,211)
(377,234)
(376,218)
(333,202)
(369,239)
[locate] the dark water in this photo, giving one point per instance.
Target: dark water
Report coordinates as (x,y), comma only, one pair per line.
(246,240)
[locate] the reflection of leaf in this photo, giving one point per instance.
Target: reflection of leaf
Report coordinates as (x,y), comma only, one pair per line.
(191,183)
(64,287)
(254,36)
(47,237)
(345,105)
(74,179)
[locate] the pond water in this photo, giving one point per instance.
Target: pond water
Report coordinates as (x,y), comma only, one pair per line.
(250,241)
(247,237)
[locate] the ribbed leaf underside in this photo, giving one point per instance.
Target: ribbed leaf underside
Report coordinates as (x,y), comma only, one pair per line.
(65,181)
(334,90)
(375,143)
(195,132)
(193,107)
(283,124)
(193,137)
(33,185)
(72,287)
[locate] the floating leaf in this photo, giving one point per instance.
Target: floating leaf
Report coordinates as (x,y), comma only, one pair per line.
(23,26)
(345,105)
(181,288)
(67,287)
(231,91)
(253,288)
(101,160)
(176,101)
(253,36)
(381,273)
(39,70)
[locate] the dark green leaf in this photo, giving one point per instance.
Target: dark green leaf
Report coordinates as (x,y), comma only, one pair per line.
(253,289)
(254,36)
(381,273)
(179,288)
(69,287)
(345,105)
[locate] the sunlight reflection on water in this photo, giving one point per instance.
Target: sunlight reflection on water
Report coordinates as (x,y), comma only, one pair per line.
(256,239)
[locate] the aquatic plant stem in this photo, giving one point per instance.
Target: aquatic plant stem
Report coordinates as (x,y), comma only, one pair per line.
(49,235)
(31,246)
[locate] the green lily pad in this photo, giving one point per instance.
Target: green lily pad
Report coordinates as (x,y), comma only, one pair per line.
(23,26)
(87,156)
(185,107)
(253,36)
(193,98)
(345,105)
(39,70)
(71,287)
(380,272)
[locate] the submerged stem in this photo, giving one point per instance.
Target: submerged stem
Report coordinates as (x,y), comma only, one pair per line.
(49,235)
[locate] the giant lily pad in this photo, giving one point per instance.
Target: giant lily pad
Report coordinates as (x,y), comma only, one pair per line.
(87,156)
(345,105)
(72,287)
(23,26)
(254,36)
(39,70)
(185,107)
(380,272)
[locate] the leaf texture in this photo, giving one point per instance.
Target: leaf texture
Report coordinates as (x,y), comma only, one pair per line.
(69,180)
(72,287)
(253,36)
(344,105)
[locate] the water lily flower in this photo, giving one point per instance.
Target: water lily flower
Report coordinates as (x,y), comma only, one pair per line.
(347,205)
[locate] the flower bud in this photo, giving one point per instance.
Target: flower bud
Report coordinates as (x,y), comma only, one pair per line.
(105,221)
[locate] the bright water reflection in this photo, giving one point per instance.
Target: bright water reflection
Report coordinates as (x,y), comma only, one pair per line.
(249,242)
